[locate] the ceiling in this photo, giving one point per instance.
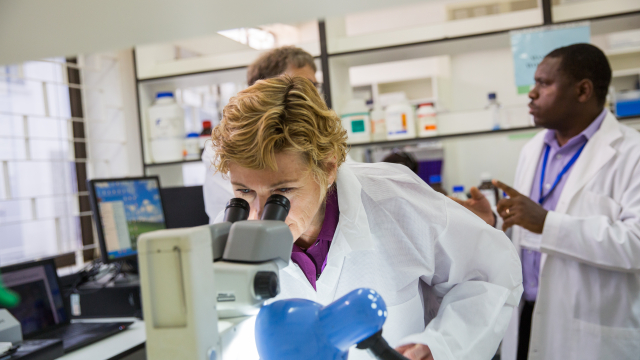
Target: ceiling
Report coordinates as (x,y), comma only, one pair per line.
(33,29)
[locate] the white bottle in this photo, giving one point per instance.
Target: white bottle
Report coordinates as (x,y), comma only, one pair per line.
(378,124)
(166,129)
(400,120)
(355,119)
(427,120)
(192,147)
(495,107)
(458,192)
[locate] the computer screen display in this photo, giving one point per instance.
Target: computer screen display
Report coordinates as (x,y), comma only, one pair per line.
(127,208)
(41,305)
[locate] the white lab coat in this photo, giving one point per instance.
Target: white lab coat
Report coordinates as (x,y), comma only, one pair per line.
(217,190)
(435,264)
(588,304)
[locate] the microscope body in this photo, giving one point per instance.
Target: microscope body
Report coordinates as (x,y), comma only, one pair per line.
(193,278)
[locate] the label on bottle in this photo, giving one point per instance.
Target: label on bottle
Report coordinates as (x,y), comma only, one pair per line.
(490,195)
(396,123)
(357,126)
(378,126)
(167,127)
(355,122)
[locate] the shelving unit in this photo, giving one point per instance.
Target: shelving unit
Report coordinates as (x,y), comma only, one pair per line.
(459,94)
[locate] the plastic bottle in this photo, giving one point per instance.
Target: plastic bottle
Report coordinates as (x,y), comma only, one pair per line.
(400,120)
(494,106)
(166,129)
(378,124)
(427,120)
(458,192)
(489,190)
(435,181)
(192,147)
(205,134)
(355,119)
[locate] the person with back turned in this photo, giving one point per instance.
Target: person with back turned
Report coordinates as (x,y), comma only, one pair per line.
(575,213)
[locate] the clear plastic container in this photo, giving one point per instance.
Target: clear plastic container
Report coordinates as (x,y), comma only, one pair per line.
(378,124)
(458,192)
(166,129)
(496,113)
(166,117)
(192,147)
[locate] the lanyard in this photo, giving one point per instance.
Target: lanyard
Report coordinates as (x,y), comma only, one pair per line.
(564,171)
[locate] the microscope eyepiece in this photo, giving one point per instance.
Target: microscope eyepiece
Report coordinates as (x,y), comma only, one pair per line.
(237,209)
(276,208)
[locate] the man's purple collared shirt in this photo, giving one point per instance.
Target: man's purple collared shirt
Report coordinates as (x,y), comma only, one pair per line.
(313,260)
(558,159)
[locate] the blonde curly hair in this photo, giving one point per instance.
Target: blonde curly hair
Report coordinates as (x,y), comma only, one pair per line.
(276,115)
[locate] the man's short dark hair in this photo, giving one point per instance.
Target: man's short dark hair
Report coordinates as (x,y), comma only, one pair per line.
(404,158)
(275,62)
(585,61)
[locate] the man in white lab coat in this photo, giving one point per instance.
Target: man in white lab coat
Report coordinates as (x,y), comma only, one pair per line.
(288,60)
(575,213)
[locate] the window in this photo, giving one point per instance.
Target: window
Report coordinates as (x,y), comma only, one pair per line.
(39,197)
(54,113)
(62,121)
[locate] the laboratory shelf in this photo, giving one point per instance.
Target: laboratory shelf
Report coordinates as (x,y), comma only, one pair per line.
(401,142)
(178,76)
(336,66)
(187,74)
(390,143)
(605,22)
(172,163)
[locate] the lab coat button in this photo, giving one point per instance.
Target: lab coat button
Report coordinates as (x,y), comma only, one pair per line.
(558,156)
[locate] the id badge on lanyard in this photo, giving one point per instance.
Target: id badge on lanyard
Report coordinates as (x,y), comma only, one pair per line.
(532,240)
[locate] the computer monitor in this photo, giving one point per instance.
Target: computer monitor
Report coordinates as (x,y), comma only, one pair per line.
(41,307)
(122,210)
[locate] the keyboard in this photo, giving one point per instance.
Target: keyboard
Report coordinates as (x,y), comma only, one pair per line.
(77,335)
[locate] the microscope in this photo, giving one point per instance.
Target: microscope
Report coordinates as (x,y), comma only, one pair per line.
(200,286)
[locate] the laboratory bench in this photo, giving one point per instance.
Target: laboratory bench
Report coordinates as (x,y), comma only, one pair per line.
(125,345)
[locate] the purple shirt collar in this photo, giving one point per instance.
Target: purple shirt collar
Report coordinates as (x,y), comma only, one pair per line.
(586,134)
(313,260)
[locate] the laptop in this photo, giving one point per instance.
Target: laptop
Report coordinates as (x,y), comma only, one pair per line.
(41,311)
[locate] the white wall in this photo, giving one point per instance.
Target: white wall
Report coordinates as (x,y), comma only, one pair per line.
(468,157)
(476,74)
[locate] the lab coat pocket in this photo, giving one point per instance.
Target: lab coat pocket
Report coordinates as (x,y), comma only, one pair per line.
(593,341)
